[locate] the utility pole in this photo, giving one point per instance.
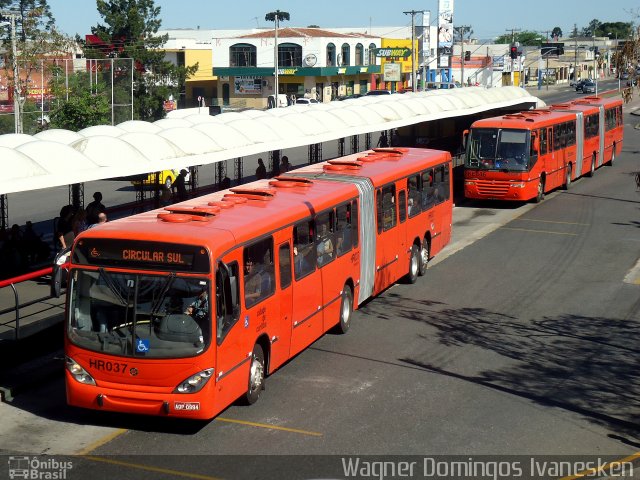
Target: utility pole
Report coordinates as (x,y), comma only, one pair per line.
(413,14)
(575,53)
(461,29)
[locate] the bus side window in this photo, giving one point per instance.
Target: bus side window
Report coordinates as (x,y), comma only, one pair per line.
(543,141)
(402,205)
(427,189)
(325,241)
(304,252)
(446,182)
(414,195)
(344,229)
(284,259)
(386,206)
(259,281)
(354,223)
(227,295)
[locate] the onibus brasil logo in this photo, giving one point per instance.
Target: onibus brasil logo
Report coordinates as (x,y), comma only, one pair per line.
(38,468)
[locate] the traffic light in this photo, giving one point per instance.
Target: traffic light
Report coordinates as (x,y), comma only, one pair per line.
(513,51)
(467,55)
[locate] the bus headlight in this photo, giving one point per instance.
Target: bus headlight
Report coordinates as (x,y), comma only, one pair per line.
(469,182)
(79,373)
(195,382)
(518,185)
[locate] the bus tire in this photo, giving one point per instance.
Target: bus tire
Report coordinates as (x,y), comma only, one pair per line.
(567,180)
(346,310)
(593,166)
(425,250)
(414,265)
(256,376)
(540,195)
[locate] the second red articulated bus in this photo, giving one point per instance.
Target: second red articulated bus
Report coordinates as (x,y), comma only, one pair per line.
(522,156)
(179,312)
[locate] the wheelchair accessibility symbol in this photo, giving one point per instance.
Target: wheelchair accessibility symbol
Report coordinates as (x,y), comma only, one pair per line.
(142,346)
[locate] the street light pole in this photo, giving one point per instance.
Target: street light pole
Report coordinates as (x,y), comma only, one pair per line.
(413,50)
(276,17)
(595,73)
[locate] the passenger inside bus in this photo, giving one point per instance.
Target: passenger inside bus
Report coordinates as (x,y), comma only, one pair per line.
(324,245)
(252,283)
(199,308)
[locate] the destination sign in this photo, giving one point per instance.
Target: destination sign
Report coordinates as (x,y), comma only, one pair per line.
(141,254)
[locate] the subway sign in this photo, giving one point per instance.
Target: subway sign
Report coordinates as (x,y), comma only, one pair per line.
(392,52)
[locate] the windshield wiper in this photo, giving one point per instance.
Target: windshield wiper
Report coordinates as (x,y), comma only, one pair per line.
(163,293)
(112,286)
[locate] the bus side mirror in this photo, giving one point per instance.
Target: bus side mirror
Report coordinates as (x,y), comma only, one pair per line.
(465,137)
(59,272)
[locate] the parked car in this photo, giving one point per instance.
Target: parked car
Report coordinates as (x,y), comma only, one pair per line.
(579,84)
(306,101)
(167,178)
(378,92)
(589,87)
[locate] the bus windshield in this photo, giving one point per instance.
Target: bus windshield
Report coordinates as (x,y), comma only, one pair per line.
(498,149)
(138,315)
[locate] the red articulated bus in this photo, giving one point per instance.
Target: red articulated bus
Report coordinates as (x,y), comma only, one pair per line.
(522,156)
(182,311)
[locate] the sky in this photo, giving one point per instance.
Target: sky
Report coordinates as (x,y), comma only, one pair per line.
(487,18)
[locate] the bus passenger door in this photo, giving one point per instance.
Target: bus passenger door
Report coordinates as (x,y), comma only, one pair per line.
(232,361)
(306,317)
(387,254)
(280,331)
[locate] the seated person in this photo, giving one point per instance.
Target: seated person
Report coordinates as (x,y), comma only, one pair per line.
(252,283)
(199,308)
(324,250)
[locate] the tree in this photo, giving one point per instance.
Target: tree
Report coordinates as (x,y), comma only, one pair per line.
(591,29)
(556,33)
(36,40)
(527,38)
(130,31)
(81,111)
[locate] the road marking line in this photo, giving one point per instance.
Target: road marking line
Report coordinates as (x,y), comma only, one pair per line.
(102,441)
(538,231)
(552,221)
(603,468)
(149,468)
(269,427)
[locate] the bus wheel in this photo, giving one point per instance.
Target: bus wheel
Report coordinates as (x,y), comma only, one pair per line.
(593,166)
(424,257)
(613,155)
(540,194)
(567,180)
(256,376)
(346,309)
(414,265)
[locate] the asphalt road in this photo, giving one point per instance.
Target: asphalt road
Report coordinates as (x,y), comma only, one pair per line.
(520,344)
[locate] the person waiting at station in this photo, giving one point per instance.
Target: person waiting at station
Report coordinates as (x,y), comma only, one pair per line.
(180,185)
(94,209)
(261,171)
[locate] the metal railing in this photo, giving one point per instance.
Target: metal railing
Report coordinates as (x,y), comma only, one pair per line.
(11,282)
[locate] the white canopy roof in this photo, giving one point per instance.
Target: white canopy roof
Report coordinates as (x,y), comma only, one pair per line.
(192,137)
